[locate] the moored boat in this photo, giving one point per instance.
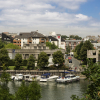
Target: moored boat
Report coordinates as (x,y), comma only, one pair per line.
(46,77)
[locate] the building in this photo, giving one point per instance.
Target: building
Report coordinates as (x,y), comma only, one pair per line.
(29,38)
(35,50)
(8,37)
(57,40)
(94,54)
(72,43)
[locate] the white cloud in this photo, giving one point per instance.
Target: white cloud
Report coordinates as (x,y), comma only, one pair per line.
(43,15)
(82,17)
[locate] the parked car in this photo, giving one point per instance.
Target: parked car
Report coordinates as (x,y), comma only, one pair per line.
(70,60)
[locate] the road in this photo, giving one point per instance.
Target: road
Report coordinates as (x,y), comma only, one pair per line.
(75,63)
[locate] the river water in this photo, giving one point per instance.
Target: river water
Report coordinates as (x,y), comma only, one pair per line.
(55,91)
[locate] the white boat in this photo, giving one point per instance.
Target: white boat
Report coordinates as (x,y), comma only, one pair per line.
(34,78)
(64,80)
(68,78)
(17,77)
(26,77)
(73,77)
(46,77)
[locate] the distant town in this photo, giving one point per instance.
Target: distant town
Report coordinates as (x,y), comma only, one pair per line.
(37,41)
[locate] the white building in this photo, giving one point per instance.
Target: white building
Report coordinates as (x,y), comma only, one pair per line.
(56,38)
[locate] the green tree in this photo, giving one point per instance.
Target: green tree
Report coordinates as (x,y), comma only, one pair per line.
(75,37)
(43,60)
(64,37)
(31,92)
(92,72)
(22,93)
(18,61)
(2,44)
(78,49)
(31,62)
(4,90)
(67,49)
(34,91)
(4,58)
(58,58)
(51,45)
(12,46)
(83,52)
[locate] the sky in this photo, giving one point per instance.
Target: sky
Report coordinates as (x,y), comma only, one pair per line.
(65,17)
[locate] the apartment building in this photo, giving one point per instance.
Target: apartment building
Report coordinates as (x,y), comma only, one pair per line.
(72,43)
(29,38)
(57,40)
(8,37)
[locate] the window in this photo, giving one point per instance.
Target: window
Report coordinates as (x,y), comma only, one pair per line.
(35,47)
(94,53)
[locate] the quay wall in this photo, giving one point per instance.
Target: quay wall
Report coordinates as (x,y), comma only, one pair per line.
(40,72)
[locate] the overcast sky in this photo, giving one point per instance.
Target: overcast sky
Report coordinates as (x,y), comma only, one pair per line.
(65,17)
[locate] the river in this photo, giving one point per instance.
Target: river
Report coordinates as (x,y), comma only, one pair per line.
(55,91)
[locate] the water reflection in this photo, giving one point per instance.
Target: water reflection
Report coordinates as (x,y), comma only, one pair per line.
(55,91)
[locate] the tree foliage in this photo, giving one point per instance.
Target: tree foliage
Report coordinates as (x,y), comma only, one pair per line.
(78,49)
(67,49)
(43,60)
(4,58)
(58,58)
(2,44)
(83,52)
(51,45)
(31,62)
(12,46)
(92,72)
(18,61)
(64,37)
(4,90)
(75,37)
(31,92)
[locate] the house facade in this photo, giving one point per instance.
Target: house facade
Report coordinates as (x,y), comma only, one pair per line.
(94,54)
(72,43)
(58,40)
(29,38)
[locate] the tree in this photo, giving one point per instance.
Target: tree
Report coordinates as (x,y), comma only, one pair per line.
(4,58)
(68,49)
(64,37)
(12,46)
(4,90)
(58,58)
(51,45)
(31,92)
(78,49)
(83,52)
(75,37)
(43,60)
(18,61)
(92,72)
(31,62)
(2,44)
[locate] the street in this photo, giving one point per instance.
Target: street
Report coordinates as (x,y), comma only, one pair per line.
(75,63)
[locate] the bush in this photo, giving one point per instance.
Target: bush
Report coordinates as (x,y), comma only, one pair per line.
(52,67)
(24,62)
(11,63)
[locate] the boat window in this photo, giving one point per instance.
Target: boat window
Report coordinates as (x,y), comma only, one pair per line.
(27,76)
